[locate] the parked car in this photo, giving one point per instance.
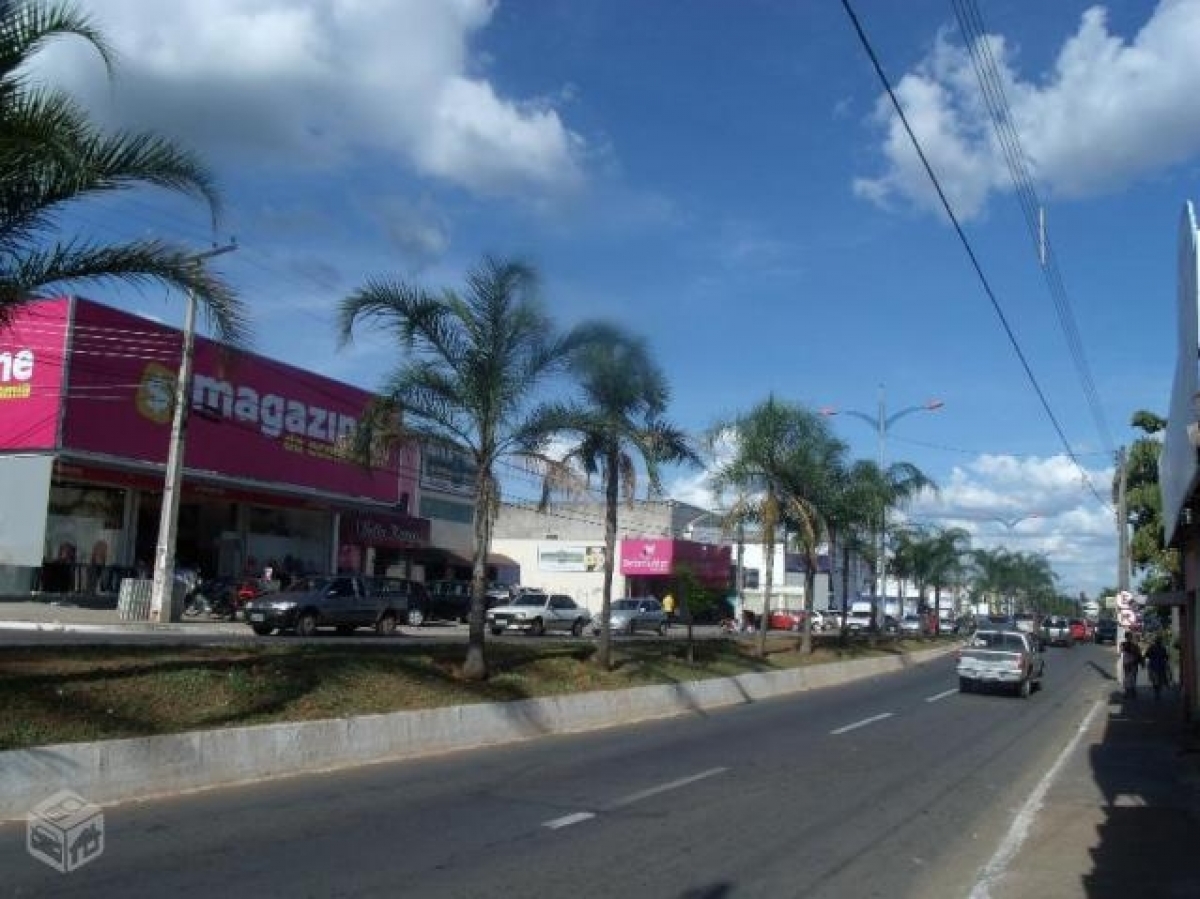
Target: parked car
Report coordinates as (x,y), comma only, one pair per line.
(1079,629)
(831,619)
(1106,631)
(448,601)
(1056,631)
(345,602)
(1004,657)
(627,616)
(912,625)
(537,613)
(785,620)
(859,621)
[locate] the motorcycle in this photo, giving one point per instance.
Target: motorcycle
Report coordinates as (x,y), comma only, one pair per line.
(220,597)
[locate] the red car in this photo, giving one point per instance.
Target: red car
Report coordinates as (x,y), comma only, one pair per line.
(786,620)
(1079,629)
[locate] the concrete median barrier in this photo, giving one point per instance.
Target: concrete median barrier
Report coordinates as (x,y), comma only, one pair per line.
(118,770)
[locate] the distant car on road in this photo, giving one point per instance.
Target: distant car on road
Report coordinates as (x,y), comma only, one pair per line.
(1056,631)
(1079,629)
(786,620)
(1106,631)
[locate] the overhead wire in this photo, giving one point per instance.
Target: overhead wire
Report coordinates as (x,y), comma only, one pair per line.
(991,83)
(970,251)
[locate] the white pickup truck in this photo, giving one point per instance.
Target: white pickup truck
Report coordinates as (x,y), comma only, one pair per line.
(1006,657)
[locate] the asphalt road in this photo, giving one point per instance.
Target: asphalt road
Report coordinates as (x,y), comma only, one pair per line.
(897,786)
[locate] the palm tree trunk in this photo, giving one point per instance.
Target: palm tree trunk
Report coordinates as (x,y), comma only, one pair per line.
(768,581)
(611,499)
(475,665)
(810,585)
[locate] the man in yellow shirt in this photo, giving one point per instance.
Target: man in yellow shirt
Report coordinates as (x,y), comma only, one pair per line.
(668,605)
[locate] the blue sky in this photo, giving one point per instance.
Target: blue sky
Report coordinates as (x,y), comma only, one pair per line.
(724,179)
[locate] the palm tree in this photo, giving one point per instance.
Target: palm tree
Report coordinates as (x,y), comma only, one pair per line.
(850,517)
(617,424)
(477,362)
(769,460)
(51,156)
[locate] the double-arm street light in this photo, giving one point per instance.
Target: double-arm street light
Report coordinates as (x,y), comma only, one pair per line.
(882,422)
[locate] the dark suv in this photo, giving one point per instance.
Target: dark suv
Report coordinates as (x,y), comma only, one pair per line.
(1106,631)
(345,602)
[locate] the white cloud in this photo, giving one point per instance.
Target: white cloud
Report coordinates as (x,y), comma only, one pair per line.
(1025,504)
(1110,110)
(302,83)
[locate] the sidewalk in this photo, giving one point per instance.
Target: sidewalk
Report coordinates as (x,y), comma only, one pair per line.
(1121,817)
(66,613)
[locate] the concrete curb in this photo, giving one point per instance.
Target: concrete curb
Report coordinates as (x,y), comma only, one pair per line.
(71,627)
(119,770)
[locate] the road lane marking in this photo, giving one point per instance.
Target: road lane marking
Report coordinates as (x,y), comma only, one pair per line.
(663,788)
(568,820)
(577,817)
(1018,831)
(857,724)
(941,696)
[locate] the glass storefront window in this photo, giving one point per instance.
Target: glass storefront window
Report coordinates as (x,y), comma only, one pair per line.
(292,541)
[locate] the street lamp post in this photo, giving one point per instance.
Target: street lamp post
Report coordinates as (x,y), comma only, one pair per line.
(882,422)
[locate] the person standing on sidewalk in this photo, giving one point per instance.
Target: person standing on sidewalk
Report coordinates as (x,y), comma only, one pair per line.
(1131,661)
(1158,665)
(668,605)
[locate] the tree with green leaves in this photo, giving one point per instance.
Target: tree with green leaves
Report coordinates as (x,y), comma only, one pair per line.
(474,363)
(770,449)
(1158,563)
(52,157)
(850,517)
(615,427)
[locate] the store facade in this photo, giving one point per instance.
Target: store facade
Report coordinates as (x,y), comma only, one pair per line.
(86,403)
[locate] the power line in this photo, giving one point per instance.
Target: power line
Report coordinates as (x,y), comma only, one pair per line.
(975,264)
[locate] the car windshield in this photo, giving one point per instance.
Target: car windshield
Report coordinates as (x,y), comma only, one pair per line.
(998,640)
(529,599)
(624,605)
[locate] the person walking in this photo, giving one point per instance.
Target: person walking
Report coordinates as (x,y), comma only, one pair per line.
(1131,661)
(668,605)
(1158,665)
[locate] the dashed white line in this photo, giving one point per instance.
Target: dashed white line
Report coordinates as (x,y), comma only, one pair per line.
(857,724)
(578,817)
(663,788)
(1019,830)
(568,820)
(941,696)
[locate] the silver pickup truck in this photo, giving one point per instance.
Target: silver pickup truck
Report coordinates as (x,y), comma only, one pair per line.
(1009,658)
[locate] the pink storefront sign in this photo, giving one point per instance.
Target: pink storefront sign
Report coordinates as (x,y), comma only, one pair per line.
(646,556)
(33,353)
(663,556)
(251,417)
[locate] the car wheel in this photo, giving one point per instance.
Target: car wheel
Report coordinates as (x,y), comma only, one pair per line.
(415,617)
(386,626)
(964,685)
(306,625)
(537,628)
(262,630)
(1025,688)
(345,630)
(577,628)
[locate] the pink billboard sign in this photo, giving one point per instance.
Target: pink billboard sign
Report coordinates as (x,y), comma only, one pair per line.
(251,417)
(663,556)
(32,361)
(643,556)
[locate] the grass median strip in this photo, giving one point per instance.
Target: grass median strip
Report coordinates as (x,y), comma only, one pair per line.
(63,694)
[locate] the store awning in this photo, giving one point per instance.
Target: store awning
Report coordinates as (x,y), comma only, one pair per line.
(384,530)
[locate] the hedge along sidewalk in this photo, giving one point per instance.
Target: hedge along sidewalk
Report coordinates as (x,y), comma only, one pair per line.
(139,768)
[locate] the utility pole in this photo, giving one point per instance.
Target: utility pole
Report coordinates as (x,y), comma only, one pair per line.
(162,588)
(1122,524)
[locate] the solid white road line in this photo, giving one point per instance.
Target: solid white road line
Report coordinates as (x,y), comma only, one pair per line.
(568,820)
(857,724)
(941,696)
(1018,831)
